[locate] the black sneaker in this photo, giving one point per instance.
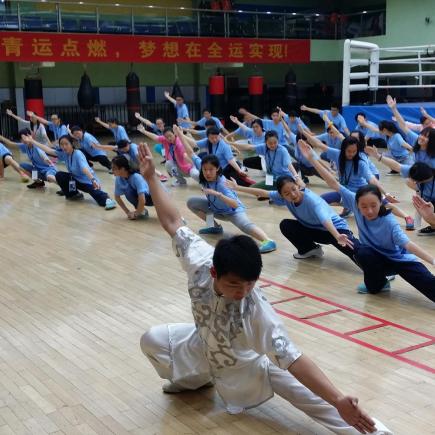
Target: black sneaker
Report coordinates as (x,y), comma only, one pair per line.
(428,231)
(306,180)
(60,193)
(90,164)
(75,197)
(262,198)
(37,184)
(393,173)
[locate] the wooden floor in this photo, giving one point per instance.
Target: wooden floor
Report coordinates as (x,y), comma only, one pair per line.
(79,285)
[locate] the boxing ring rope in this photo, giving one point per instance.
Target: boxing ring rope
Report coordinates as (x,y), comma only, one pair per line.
(369,55)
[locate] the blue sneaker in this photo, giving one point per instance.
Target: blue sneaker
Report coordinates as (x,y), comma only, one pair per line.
(267,246)
(362,289)
(110,204)
(212,230)
(347,212)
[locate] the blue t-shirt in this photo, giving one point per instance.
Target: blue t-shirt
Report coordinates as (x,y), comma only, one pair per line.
(221,150)
(182,112)
(312,211)
(75,163)
(132,155)
(293,125)
(119,133)
(203,120)
(135,182)
(36,156)
(156,130)
(337,120)
(268,124)
(383,234)
(301,158)
(252,137)
(420,155)
(369,133)
(427,190)
(215,204)
(4,151)
(58,130)
(292,139)
(373,169)
(86,144)
(332,142)
(353,181)
(277,161)
(395,146)
(202,134)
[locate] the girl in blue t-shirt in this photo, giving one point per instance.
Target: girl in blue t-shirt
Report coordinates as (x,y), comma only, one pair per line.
(384,248)
(80,176)
(6,160)
(222,203)
(133,186)
(316,222)
(398,148)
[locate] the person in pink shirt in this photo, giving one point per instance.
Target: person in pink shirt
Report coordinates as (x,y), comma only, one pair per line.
(176,163)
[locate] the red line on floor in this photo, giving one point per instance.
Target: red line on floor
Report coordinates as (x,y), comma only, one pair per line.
(286,300)
(324,313)
(348,336)
(360,342)
(367,328)
(351,310)
(415,347)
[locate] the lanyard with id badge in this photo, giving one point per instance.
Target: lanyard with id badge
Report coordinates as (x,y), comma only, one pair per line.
(268,164)
(72,187)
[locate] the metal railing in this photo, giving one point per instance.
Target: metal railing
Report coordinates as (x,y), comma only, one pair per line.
(77,17)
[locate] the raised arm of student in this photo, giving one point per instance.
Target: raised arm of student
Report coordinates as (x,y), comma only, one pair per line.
(39,118)
(48,150)
(392,164)
(100,146)
(313,158)
(310,375)
(168,97)
(331,125)
(426,115)
(259,193)
(8,142)
(168,214)
(152,136)
(16,117)
(143,120)
(247,114)
(178,131)
(241,146)
(305,108)
(103,124)
(392,104)
(425,209)
(317,143)
(237,122)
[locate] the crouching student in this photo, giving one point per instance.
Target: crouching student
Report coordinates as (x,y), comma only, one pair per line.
(237,342)
(133,186)
(80,176)
(6,160)
(39,167)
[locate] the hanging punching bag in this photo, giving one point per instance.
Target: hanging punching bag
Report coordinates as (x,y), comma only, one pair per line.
(85,95)
(133,97)
(216,89)
(290,89)
(33,96)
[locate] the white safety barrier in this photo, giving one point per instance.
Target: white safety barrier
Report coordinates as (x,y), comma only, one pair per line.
(369,55)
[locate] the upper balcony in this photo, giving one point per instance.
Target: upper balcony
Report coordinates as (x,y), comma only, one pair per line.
(78,17)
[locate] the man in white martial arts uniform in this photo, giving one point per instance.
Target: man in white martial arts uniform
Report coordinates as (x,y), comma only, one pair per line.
(238,342)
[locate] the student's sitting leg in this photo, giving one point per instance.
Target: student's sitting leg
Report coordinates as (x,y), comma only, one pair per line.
(194,173)
(376,268)
(301,237)
(289,388)
(417,274)
(174,171)
(155,345)
(332,198)
(229,172)
(63,179)
(99,196)
(104,161)
(9,161)
(199,206)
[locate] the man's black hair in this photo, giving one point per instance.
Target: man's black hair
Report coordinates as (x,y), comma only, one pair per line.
(420,171)
(238,255)
(76,128)
(212,130)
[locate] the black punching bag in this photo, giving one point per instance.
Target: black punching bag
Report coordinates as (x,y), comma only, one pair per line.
(290,89)
(85,95)
(176,91)
(133,97)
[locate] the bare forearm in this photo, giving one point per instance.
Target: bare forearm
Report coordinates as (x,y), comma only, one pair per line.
(331,228)
(253,191)
(168,214)
(8,142)
(121,203)
(140,203)
(308,374)
(326,175)
(420,252)
(103,124)
(392,164)
(228,201)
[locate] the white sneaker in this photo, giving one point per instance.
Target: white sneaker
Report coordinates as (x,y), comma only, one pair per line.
(316,252)
(144,215)
(381,429)
(110,204)
(171,388)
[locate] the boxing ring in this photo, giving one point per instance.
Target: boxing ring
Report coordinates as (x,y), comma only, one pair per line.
(365,68)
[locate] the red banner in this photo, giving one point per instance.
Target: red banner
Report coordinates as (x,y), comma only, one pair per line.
(70,47)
